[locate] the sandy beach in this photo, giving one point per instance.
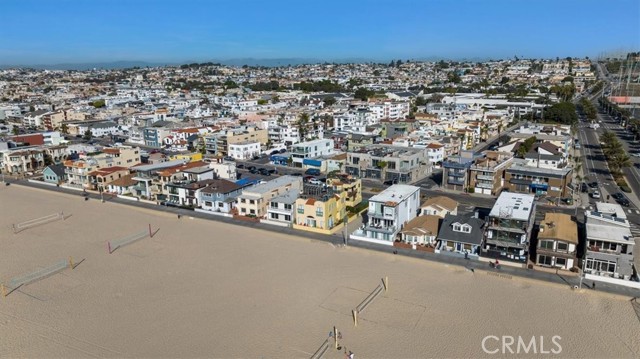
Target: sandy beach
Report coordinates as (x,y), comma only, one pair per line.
(205,289)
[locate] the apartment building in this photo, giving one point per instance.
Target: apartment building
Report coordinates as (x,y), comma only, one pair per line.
(21,160)
(388,212)
(486,174)
(306,154)
(557,242)
(520,178)
(219,143)
(388,163)
(244,150)
(455,171)
(509,227)
(610,244)
(100,178)
(253,200)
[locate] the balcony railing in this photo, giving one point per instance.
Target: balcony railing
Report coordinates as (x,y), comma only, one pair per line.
(484,185)
(485,177)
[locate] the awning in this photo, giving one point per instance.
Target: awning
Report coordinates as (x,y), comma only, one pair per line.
(539,185)
(310,162)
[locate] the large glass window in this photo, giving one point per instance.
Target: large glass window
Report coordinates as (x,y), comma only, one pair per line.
(563,246)
(546,244)
(544,260)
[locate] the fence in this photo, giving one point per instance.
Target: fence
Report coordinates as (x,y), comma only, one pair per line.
(19,227)
(113,245)
(373,295)
(39,274)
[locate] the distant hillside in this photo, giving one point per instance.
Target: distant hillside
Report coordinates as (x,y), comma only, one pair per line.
(88,65)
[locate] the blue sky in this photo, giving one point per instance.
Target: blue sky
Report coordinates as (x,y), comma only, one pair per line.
(48,31)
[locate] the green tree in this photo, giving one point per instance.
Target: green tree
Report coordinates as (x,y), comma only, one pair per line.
(302,123)
(526,146)
(563,112)
(363,94)
(329,101)
(15,130)
(48,160)
(88,135)
(98,103)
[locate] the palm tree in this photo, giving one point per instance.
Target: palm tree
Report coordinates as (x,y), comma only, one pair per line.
(302,125)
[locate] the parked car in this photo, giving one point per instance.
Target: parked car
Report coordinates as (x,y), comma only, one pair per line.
(623,202)
(251,168)
(315,181)
(273,171)
(274,152)
(283,150)
(617,195)
(636,154)
(593,184)
(584,188)
(240,166)
(308,178)
(264,172)
(297,174)
(595,194)
(229,158)
(390,182)
(312,172)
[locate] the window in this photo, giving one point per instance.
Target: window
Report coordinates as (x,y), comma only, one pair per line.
(274,216)
(274,205)
(243,210)
(561,262)
(546,244)
(319,211)
(562,246)
(220,204)
(287,207)
(301,208)
(466,228)
(253,211)
(242,200)
(456,227)
(545,260)
(287,217)
(208,204)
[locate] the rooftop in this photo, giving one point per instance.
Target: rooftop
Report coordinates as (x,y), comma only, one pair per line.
(441,202)
(516,206)
(273,184)
(395,194)
(559,226)
(422,225)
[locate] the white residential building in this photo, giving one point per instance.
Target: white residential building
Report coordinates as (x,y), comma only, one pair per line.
(244,150)
(303,154)
(388,212)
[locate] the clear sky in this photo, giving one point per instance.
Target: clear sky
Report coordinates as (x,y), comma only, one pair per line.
(54,31)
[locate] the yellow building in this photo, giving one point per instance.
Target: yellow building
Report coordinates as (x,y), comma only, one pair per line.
(322,212)
(191,157)
(351,186)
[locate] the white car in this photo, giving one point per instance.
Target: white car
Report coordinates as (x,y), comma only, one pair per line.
(595,194)
(636,154)
(315,181)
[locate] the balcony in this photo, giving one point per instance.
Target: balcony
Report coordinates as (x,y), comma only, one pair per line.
(485,177)
(457,173)
(455,182)
(380,229)
(485,185)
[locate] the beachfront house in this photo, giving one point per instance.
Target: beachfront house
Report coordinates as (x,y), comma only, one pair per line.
(557,241)
(421,230)
(219,196)
(280,209)
(319,209)
(461,233)
(54,174)
(253,200)
(610,244)
(388,212)
(509,227)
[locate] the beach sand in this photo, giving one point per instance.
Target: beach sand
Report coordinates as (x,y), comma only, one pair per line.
(206,289)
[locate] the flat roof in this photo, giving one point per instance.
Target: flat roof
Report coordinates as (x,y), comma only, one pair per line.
(273,184)
(611,208)
(158,166)
(516,206)
(395,193)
